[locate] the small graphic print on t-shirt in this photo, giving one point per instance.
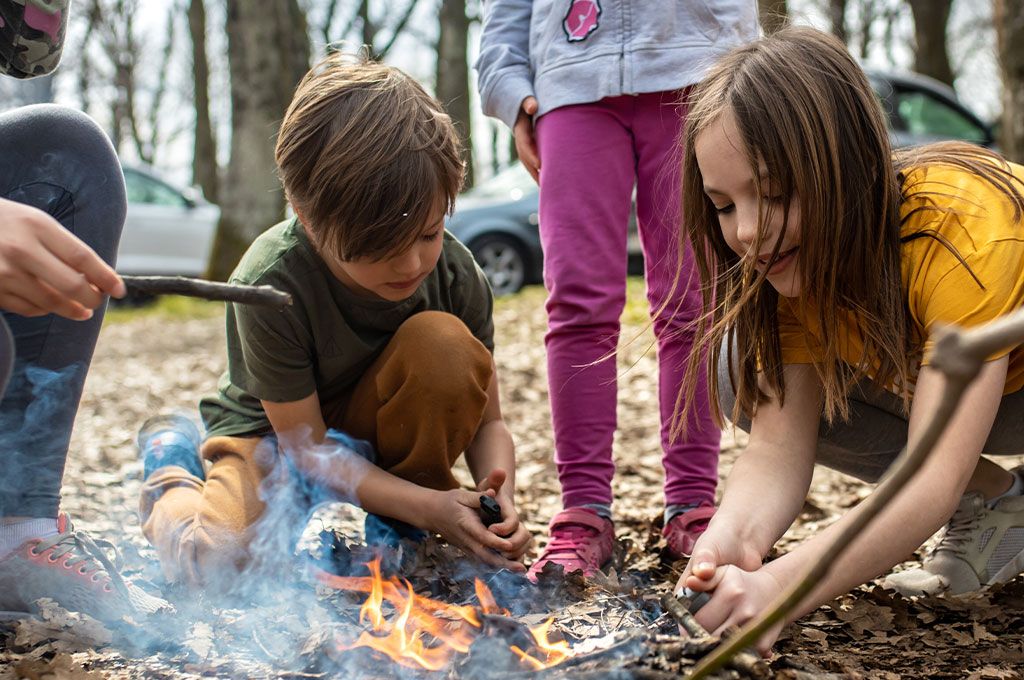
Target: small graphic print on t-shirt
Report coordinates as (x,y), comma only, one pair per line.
(581,20)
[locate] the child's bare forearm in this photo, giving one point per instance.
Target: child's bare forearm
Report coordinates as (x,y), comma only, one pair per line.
(354,479)
(763,495)
(385,494)
(493,449)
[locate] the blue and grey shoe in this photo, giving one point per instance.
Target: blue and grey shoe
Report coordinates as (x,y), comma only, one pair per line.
(170,440)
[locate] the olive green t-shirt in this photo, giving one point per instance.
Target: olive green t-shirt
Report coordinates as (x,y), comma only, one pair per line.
(330,335)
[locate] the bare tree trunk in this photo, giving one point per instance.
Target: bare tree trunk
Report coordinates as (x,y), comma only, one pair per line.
(870,10)
(774,14)
(204,149)
(367,27)
(156,106)
(930,20)
(268,52)
(452,75)
(1009,22)
(837,19)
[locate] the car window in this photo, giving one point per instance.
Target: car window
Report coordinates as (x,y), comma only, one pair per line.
(927,116)
(142,189)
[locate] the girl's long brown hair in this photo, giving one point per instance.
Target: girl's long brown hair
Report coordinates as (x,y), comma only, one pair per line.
(809,118)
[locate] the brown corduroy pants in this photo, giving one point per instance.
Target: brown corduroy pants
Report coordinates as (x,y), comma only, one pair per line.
(420,404)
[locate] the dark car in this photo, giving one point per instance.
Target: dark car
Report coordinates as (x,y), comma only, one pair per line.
(921,110)
(497,219)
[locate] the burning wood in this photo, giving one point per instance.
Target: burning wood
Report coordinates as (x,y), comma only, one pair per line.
(427,634)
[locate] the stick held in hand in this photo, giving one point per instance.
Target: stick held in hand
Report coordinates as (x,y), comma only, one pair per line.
(266,296)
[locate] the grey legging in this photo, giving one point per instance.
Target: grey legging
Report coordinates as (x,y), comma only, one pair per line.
(57,160)
(868,443)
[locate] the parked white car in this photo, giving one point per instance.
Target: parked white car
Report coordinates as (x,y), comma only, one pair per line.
(168,230)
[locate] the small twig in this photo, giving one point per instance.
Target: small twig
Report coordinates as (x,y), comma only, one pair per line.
(744,661)
(959,356)
(677,608)
(266,296)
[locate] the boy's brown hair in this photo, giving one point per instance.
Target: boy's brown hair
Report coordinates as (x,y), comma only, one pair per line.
(367,158)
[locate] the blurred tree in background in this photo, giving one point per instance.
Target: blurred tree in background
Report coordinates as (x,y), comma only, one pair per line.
(219,74)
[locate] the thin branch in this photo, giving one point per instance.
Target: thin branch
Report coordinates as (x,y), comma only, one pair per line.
(959,356)
(161,83)
(744,661)
(399,27)
(264,296)
(325,29)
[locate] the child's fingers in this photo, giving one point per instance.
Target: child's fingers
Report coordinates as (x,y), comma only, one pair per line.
(699,584)
(703,564)
(493,481)
(494,559)
(521,541)
(474,531)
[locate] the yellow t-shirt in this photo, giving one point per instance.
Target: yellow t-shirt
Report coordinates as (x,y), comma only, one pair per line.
(978,221)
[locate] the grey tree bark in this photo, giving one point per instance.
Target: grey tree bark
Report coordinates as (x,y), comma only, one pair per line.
(204,147)
(837,19)
(1009,22)
(931,18)
(452,74)
(268,53)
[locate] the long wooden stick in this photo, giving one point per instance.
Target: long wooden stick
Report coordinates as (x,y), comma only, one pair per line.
(959,356)
(266,296)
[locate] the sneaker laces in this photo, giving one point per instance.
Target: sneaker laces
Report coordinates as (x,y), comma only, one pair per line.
(86,551)
(959,532)
(568,538)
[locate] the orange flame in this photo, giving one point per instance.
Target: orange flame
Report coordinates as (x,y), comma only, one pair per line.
(554,652)
(449,629)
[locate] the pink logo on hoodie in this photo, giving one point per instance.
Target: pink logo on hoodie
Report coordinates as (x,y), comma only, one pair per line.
(581,19)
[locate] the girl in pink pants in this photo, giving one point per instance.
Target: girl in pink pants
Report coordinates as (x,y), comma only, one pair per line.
(594,91)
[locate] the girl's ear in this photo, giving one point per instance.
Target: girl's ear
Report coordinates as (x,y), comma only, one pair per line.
(298,213)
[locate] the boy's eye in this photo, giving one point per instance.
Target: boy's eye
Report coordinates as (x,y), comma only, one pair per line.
(432,236)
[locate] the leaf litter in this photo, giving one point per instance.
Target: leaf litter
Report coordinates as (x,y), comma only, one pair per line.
(289,628)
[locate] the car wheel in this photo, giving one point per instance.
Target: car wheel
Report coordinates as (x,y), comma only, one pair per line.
(504,262)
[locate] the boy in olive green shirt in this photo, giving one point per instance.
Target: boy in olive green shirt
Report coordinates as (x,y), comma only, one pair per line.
(388,340)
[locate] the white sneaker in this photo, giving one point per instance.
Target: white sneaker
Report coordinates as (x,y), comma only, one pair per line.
(980,546)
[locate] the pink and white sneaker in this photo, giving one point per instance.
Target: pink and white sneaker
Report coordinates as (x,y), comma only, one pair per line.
(75,571)
(683,530)
(581,540)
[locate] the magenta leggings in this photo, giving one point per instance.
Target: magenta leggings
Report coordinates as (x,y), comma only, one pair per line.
(591,157)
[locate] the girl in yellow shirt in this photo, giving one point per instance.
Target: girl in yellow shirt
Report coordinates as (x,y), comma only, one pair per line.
(831,260)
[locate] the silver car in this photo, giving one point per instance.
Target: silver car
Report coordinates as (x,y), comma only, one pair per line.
(168,230)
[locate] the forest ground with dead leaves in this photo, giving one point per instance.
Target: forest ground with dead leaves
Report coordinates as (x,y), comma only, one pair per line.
(151,361)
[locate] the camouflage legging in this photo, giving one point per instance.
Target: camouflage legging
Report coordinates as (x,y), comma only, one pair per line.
(59,161)
(31,36)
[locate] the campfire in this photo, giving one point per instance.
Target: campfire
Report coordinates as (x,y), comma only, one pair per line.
(427,634)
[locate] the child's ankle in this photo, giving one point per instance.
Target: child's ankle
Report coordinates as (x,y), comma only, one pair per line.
(1016,489)
(602,509)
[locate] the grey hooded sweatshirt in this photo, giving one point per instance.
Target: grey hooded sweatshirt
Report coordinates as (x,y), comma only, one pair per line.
(567,52)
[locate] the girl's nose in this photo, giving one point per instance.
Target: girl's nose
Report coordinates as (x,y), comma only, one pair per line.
(746,228)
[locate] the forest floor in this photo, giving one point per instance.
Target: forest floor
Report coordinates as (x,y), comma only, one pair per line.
(163,359)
